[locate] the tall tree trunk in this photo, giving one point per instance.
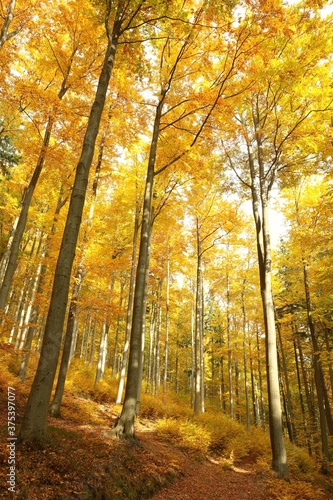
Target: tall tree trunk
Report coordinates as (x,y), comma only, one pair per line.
(144,314)
(260,214)
(125,425)
(34,424)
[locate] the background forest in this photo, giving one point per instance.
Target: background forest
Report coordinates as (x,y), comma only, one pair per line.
(166,207)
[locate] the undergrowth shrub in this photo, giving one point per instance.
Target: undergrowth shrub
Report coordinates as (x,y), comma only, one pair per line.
(80,379)
(300,463)
(186,434)
(153,407)
(300,490)
(81,382)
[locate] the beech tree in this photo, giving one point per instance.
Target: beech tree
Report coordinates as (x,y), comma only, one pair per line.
(268,120)
(34,428)
(175,65)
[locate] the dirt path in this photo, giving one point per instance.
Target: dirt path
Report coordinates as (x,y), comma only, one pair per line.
(211,482)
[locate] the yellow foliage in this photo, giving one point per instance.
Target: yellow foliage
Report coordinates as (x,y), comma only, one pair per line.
(300,490)
(153,408)
(194,438)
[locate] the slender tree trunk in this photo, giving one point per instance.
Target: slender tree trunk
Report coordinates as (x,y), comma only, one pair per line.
(93,342)
(202,348)
(27,197)
(330,357)
(198,328)
(116,347)
(151,357)
(230,370)
(129,311)
(285,383)
(167,305)
(144,314)
(34,424)
(125,425)
(192,355)
(158,341)
(57,398)
(260,214)
(305,424)
(246,383)
(102,352)
(325,416)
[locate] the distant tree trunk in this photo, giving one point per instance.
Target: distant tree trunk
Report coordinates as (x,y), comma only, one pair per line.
(305,424)
(325,416)
(330,357)
(246,383)
(123,367)
(102,352)
(116,347)
(286,387)
(85,334)
(92,347)
(192,355)
(167,305)
(230,370)
(177,367)
(57,398)
(31,329)
(157,374)
(34,424)
(150,370)
(198,396)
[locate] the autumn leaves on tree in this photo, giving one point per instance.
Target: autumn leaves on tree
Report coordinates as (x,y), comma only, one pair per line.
(151,126)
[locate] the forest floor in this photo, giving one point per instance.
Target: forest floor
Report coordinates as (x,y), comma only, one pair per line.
(83,461)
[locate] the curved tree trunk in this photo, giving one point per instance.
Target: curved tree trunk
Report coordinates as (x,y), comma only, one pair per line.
(34,425)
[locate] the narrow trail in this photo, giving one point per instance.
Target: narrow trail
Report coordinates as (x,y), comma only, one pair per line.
(211,482)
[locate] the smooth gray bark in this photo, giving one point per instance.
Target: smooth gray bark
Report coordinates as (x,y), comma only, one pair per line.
(260,190)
